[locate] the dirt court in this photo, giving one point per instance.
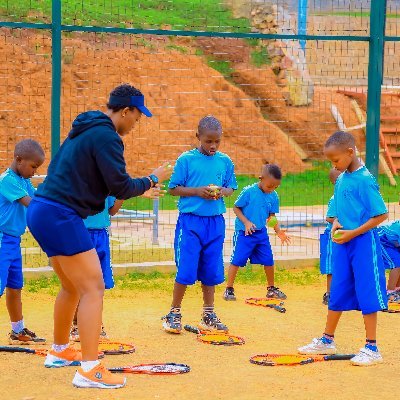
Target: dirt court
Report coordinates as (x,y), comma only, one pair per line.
(217,372)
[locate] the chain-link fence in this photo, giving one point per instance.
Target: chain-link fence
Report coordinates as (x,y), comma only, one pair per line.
(280,75)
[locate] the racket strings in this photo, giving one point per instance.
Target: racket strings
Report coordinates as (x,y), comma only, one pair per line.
(281,359)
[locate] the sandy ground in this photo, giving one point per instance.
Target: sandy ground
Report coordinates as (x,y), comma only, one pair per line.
(217,372)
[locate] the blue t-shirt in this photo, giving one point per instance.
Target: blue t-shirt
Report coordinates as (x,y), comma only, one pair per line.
(256,206)
(194,169)
(357,198)
(102,219)
(12,213)
(392,232)
(330,213)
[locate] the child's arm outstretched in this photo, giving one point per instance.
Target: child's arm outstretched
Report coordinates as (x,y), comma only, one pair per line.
(285,239)
(347,235)
(116,207)
(205,192)
(25,200)
(248,225)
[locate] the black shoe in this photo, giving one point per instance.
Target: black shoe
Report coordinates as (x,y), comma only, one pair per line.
(229,294)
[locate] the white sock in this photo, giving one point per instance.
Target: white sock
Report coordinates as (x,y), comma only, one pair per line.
(88,365)
(18,326)
(58,348)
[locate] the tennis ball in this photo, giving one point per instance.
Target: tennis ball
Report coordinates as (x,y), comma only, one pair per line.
(272,221)
(168,166)
(337,235)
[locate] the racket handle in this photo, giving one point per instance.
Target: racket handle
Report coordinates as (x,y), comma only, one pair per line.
(192,329)
(339,357)
(277,308)
(12,349)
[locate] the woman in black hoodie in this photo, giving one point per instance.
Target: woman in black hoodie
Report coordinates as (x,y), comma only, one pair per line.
(88,167)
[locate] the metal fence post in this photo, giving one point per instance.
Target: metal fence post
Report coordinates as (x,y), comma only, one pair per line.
(375,78)
(55,76)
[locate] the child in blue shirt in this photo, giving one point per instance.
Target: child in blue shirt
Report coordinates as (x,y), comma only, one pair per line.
(98,227)
(358,273)
(16,191)
(389,236)
(202,177)
(254,205)
(325,242)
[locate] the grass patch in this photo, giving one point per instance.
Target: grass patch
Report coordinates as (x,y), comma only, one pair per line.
(260,57)
(153,254)
(155,280)
(223,67)
(181,49)
(205,15)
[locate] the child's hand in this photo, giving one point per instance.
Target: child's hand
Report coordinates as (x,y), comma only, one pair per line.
(223,192)
(285,239)
(343,236)
(335,226)
(206,192)
(249,228)
(154,192)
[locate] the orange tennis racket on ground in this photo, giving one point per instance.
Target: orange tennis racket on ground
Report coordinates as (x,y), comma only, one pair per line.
(112,348)
(153,369)
(276,304)
(393,308)
(273,360)
(222,339)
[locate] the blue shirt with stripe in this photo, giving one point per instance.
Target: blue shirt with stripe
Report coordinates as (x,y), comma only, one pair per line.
(195,169)
(12,213)
(256,206)
(392,232)
(357,198)
(102,219)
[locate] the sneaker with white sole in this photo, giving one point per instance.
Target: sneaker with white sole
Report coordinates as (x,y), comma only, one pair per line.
(210,322)
(98,377)
(229,294)
(67,358)
(317,346)
(366,357)
(172,322)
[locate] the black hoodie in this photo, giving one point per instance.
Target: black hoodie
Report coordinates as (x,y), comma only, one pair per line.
(90,166)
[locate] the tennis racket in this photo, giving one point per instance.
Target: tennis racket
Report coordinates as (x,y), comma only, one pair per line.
(111,348)
(153,369)
(216,338)
(393,308)
(39,352)
(272,360)
(276,304)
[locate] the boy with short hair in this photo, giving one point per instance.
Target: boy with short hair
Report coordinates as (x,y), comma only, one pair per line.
(202,177)
(358,275)
(16,191)
(389,236)
(325,242)
(254,205)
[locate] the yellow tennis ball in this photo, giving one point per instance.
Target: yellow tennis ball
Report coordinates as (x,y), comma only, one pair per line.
(272,221)
(337,235)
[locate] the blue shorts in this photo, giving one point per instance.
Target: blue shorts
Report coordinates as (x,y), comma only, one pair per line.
(390,253)
(101,243)
(325,253)
(255,247)
(10,263)
(58,229)
(198,249)
(358,275)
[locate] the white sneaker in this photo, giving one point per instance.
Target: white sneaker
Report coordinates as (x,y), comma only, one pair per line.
(367,357)
(317,346)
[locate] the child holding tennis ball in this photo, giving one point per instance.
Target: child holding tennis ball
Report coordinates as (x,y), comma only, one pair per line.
(325,241)
(200,229)
(255,204)
(358,273)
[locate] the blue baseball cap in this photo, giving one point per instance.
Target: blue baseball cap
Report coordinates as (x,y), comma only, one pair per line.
(130,101)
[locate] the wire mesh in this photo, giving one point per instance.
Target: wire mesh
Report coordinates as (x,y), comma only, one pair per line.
(278,99)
